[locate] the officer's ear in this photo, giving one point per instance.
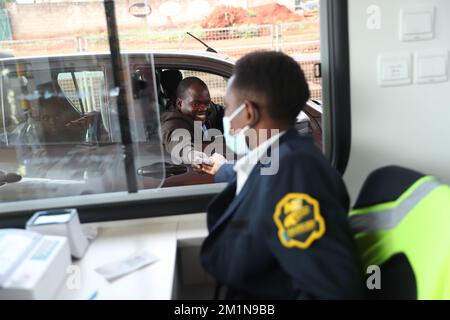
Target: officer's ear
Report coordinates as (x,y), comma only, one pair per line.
(253,114)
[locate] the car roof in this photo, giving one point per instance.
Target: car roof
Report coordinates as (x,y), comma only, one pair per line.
(156,53)
(200,61)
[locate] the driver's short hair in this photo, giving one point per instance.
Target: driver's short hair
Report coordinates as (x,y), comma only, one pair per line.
(187,83)
(274,80)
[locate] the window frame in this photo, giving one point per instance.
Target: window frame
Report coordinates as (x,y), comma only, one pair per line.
(112,206)
(335,56)
(118,205)
(194,198)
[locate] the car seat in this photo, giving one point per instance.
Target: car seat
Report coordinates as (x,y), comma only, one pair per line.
(400,221)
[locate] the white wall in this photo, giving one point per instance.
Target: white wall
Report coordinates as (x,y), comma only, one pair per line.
(405,125)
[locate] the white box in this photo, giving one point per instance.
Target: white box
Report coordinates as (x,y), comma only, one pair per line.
(61,222)
(32,266)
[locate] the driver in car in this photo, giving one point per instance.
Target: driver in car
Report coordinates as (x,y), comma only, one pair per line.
(192,118)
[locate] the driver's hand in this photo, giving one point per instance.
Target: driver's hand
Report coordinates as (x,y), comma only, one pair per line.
(196,158)
(212,166)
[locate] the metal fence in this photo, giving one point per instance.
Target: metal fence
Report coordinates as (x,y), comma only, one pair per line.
(298,39)
(234,40)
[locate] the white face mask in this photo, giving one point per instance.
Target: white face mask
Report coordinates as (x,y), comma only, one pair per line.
(237,142)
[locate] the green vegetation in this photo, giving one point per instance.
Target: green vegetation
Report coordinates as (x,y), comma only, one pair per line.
(251,13)
(245,32)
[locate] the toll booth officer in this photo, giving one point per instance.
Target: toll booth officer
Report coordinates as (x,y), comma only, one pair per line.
(282,235)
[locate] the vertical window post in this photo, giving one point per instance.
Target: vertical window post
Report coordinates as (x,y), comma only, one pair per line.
(119,82)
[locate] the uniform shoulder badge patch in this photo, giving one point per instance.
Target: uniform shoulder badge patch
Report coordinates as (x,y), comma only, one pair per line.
(298,219)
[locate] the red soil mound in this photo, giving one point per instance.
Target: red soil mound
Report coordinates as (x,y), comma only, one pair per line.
(273,13)
(226,16)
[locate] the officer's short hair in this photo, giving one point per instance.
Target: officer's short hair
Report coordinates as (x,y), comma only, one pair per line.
(274,79)
(188,82)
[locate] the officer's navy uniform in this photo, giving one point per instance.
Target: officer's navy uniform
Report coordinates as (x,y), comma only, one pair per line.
(284,235)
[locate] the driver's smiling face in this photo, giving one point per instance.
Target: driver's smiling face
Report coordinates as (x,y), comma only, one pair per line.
(196,102)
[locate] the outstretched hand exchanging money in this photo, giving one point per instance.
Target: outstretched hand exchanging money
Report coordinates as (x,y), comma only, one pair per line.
(208,165)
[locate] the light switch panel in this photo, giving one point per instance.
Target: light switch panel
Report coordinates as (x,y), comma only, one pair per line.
(417,23)
(431,66)
(394,69)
